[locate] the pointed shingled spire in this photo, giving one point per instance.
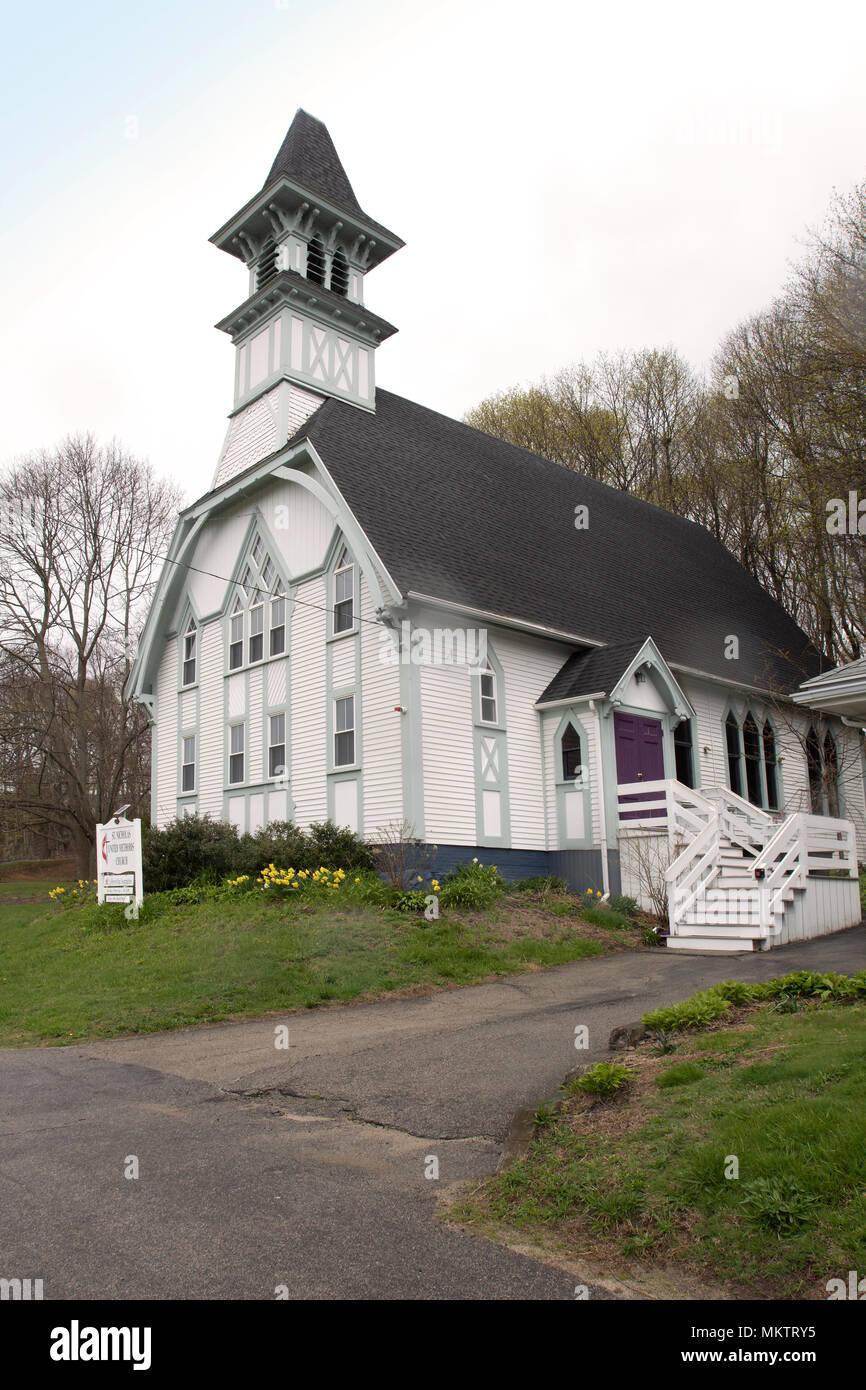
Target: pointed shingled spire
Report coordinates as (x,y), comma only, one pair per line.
(308,156)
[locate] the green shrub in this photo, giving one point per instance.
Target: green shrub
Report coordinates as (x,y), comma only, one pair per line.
(195,850)
(473,886)
(620,902)
(602,1079)
(409,899)
(187,849)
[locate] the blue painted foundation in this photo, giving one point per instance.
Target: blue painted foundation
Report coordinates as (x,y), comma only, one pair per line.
(581,868)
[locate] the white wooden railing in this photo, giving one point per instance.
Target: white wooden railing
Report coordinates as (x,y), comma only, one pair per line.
(802,845)
(782,853)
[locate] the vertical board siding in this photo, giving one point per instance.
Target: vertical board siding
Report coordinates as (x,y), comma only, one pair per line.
(211,721)
(381,728)
(255,769)
(308,703)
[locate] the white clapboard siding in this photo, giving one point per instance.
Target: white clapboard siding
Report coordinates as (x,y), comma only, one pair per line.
(309,732)
(448,755)
(167,749)
(210,772)
(382,727)
(528,667)
(343,662)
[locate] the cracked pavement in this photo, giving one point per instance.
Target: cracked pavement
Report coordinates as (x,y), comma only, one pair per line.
(305,1167)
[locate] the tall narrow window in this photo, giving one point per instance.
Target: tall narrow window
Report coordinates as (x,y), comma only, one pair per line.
(570,752)
(257,627)
(752,750)
(277,643)
(831,775)
(813,763)
(344,589)
(276,745)
(236,753)
(488,696)
(770,767)
(344,731)
(732,739)
(683,756)
(316,261)
(339,272)
(236,637)
(189,654)
(187,771)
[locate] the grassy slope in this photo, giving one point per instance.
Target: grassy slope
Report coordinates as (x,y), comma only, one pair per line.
(85,972)
(639,1181)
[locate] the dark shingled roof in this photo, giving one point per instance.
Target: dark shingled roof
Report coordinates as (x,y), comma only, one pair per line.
(460,516)
(594,672)
(309,157)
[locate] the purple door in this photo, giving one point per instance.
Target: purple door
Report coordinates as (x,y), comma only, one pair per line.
(639,758)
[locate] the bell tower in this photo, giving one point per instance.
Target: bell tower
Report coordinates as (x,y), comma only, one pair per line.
(303,333)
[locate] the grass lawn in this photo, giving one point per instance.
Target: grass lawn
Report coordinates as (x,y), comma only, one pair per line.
(636,1184)
(78,972)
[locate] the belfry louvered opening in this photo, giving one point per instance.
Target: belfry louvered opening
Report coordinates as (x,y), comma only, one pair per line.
(267,266)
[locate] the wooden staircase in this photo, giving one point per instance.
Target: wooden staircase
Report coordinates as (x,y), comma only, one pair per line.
(739,878)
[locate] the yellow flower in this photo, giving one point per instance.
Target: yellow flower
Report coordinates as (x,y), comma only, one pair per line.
(357,880)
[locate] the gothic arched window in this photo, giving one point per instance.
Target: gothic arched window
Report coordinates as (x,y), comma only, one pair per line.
(571,761)
(752,751)
(732,740)
(831,774)
(770,766)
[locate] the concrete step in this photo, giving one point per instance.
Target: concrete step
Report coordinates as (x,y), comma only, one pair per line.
(722,944)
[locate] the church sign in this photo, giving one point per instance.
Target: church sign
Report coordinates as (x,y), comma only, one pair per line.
(118,862)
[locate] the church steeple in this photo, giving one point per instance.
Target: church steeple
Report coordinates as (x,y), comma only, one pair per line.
(303,332)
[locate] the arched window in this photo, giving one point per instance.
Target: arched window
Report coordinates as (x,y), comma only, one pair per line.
(488,695)
(770,766)
(752,751)
(571,759)
(732,739)
(267,264)
(189,644)
(260,601)
(316,261)
(339,272)
(831,774)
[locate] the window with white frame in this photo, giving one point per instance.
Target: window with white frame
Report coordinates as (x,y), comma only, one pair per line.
(258,607)
(277,643)
(189,644)
(236,636)
(488,695)
(236,753)
(344,731)
(344,593)
(276,745)
(187,771)
(257,631)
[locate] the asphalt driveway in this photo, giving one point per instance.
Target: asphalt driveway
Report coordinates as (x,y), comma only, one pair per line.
(305,1168)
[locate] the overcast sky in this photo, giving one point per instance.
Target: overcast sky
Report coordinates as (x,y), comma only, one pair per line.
(568,177)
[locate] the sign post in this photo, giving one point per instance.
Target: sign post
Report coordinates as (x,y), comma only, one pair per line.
(118,862)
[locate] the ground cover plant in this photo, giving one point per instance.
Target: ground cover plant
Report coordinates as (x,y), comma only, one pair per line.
(637,1176)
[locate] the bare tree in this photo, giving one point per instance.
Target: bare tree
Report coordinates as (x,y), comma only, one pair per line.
(82,531)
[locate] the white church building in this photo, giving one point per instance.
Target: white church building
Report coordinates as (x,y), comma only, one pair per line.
(629,714)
